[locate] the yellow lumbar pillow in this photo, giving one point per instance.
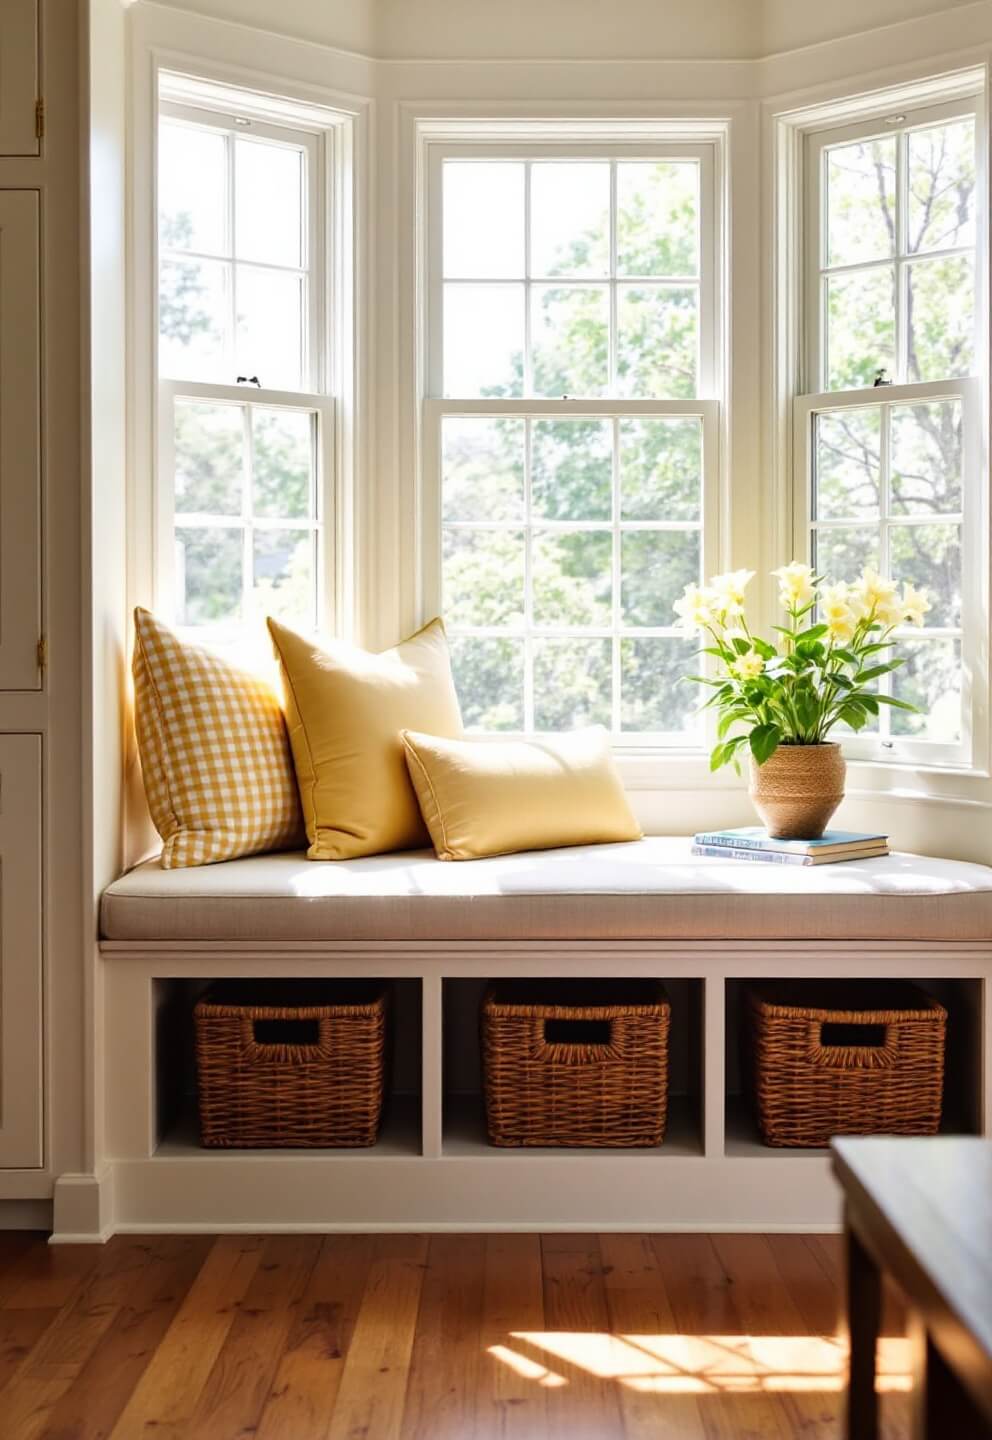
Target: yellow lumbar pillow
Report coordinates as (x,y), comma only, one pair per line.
(483,797)
(345,709)
(214,754)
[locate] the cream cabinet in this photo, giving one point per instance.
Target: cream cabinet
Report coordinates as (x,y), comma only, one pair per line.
(19,54)
(21,1109)
(20,441)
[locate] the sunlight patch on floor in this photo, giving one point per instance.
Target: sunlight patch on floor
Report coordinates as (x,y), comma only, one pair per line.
(703,1364)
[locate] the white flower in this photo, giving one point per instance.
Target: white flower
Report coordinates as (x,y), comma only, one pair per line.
(914,605)
(875,598)
(749,666)
(795,585)
(836,611)
(697,608)
(730,589)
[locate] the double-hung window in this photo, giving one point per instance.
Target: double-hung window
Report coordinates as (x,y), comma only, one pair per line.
(245,420)
(571,427)
(889,465)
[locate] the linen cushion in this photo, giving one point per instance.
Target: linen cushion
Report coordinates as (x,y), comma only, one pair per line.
(345,709)
(215,757)
(481,797)
(652,890)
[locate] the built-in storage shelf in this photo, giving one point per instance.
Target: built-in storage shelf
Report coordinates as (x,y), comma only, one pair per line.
(433,1166)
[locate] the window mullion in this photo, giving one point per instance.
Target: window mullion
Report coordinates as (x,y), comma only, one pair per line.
(616,560)
(247,536)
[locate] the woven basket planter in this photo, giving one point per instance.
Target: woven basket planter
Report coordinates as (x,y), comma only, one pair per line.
(290,1066)
(797,791)
(583,1065)
(844,1058)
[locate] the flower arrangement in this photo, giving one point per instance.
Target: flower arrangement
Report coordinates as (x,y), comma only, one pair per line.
(820,672)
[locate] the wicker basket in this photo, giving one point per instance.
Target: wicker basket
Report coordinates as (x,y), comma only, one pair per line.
(844,1058)
(287,1065)
(576,1063)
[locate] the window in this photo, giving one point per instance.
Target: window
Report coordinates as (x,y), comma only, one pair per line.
(244,419)
(571,429)
(889,464)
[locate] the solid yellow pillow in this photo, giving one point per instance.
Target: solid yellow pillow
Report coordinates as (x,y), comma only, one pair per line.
(345,709)
(214,753)
(482,797)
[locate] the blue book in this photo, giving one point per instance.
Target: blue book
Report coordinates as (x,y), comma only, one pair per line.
(754,837)
(784,857)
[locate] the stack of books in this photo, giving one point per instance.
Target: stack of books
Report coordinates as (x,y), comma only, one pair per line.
(750,842)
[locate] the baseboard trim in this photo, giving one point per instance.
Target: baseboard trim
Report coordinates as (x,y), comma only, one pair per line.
(647,1227)
(82,1212)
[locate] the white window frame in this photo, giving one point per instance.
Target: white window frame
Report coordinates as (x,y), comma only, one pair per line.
(970,753)
(707,407)
(210,105)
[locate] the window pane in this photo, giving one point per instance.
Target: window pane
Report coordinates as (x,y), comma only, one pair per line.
(941,318)
(483,220)
(192,189)
(208,576)
(930,679)
(570,219)
(489,678)
(570,339)
(658,218)
(192,312)
(483,577)
(572,684)
(942,186)
(283,464)
(842,554)
(572,577)
(656,566)
(652,695)
(483,340)
(930,556)
(848,460)
(861,201)
(926,454)
(270,327)
(209,451)
(861,327)
(482,469)
(268,192)
(284,570)
(661,469)
(571,469)
(657,342)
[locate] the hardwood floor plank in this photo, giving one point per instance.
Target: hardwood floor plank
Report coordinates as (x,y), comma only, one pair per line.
(237,1387)
(576,1321)
(305,1386)
(640,1313)
(91,1406)
(371,1396)
(511,1395)
(46,1276)
(442,1389)
(814,1291)
(20,1332)
(165,1396)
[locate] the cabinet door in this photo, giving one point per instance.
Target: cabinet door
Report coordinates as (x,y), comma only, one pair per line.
(21,1106)
(19,77)
(20,441)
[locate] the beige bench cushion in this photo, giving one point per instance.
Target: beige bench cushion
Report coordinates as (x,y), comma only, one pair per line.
(651,889)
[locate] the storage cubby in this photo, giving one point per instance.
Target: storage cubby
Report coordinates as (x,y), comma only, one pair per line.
(464,1122)
(963,1070)
(176,1118)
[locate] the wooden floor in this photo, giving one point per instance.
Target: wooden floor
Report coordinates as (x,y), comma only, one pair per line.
(672,1337)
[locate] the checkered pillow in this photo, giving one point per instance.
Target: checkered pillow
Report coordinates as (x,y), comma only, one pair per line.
(215,756)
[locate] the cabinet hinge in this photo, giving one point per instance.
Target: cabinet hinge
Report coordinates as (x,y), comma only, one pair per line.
(43,653)
(39,118)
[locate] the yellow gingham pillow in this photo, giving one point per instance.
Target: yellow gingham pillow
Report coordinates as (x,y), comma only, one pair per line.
(215,757)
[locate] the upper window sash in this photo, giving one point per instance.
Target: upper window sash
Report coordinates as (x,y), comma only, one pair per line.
(822,268)
(709,378)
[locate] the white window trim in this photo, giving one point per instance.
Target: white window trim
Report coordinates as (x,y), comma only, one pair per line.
(789,426)
(597,142)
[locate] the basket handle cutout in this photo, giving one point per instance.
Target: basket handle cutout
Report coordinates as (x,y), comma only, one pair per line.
(847,1033)
(286,1032)
(577,1032)
(850,1045)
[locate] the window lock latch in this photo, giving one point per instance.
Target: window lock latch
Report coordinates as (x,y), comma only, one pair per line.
(249,380)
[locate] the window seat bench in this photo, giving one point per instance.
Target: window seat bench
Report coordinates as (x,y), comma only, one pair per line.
(652,889)
(439,932)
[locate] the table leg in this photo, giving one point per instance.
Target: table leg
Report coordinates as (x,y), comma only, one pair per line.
(941,1405)
(864,1318)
